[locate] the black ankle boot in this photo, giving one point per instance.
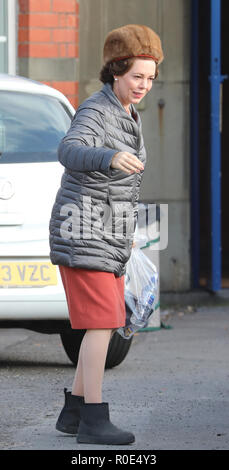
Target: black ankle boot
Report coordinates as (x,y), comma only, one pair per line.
(95,427)
(69,418)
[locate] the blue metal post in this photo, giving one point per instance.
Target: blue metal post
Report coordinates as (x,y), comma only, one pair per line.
(215,145)
(194,170)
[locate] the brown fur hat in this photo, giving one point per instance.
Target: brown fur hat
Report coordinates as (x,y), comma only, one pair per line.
(132,40)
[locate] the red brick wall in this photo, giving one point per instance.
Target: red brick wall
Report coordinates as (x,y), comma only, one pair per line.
(50,29)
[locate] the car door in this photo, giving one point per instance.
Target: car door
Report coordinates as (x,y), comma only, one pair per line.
(31,127)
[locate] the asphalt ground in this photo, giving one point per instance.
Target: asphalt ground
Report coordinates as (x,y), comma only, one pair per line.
(171,391)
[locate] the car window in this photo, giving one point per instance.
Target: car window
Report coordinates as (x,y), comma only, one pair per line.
(31,127)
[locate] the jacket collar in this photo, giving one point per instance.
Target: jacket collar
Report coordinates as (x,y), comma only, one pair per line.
(107,89)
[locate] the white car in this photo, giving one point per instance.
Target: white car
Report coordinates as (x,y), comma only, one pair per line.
(33,119)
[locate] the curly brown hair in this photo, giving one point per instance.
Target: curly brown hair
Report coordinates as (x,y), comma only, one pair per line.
(119,68)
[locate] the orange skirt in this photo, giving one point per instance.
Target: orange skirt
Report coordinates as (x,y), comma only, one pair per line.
(95,298)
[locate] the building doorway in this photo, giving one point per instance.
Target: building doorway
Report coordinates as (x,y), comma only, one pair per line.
(204,144)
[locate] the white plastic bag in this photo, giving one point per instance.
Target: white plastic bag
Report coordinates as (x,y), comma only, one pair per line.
(141,289)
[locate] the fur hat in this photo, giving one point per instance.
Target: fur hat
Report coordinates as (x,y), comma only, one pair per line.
(132,40)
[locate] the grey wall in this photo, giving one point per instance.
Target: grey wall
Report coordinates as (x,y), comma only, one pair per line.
(164,113)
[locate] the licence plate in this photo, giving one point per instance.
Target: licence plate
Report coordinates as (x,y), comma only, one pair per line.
(36,274)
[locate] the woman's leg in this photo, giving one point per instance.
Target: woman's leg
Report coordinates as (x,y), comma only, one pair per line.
(77,386)
(95,426)
(90,369)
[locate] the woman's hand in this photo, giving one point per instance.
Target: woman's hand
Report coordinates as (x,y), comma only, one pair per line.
(127,162)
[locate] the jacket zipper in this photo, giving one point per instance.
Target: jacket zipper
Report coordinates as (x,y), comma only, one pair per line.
(136,174)
(134,187)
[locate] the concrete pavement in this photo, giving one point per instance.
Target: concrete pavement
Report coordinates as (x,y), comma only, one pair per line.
(172,390)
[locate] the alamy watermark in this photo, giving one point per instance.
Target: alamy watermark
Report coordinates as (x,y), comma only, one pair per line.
(88,220)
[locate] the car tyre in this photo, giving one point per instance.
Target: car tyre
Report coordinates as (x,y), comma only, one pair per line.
(117,350)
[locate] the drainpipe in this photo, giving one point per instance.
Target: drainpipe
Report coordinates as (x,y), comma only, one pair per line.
(194,149)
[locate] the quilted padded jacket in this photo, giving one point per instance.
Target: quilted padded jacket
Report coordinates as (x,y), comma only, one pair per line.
(94,214)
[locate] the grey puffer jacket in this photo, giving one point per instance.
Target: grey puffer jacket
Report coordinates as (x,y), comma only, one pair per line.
(94,215)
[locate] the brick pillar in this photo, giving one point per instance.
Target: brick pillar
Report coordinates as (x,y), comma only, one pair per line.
(48,44)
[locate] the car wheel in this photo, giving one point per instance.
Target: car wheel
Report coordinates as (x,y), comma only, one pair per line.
(71,340)
(117,350)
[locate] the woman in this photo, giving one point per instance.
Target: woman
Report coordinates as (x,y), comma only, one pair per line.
(94,217)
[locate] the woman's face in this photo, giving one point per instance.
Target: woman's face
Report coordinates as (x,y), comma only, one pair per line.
(131,87)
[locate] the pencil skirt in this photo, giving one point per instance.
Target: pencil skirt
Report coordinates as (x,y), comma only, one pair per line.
(95,298)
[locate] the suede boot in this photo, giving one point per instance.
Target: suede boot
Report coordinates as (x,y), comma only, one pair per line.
(95,427)
(69,418)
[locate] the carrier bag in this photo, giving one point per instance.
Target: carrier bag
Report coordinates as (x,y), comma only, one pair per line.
(141,289)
